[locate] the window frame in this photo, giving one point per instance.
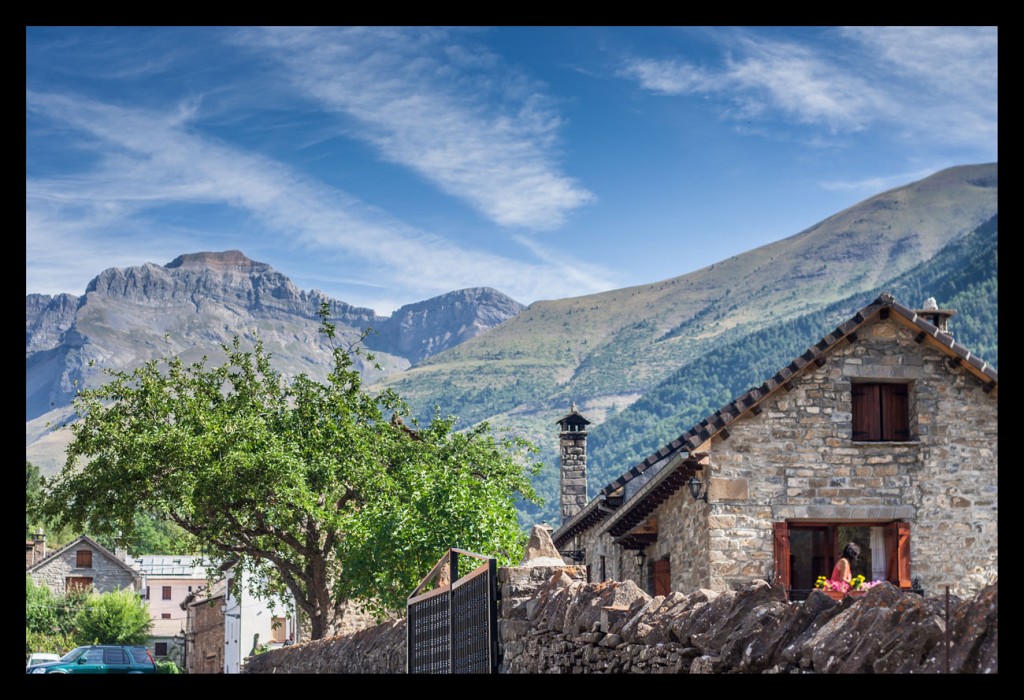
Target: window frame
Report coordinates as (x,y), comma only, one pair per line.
(166,593)
(83,559)
(880,411)
(897,549)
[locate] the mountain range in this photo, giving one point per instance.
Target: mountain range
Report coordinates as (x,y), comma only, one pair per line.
(481,356)
(195,303)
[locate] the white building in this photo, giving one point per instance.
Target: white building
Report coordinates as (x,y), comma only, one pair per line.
(250,622)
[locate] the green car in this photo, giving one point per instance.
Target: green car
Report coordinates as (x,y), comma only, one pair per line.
(100,659)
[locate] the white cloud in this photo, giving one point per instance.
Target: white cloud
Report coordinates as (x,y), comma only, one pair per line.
(149,159)
(479,131)
(919,82)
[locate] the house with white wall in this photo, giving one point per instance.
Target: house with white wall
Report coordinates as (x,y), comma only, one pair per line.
(251,622)
(167,580)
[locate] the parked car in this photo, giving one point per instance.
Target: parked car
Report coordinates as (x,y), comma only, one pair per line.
(100,659)
(41,658)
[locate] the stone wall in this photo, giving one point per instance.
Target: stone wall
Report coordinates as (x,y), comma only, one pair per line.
(551,621)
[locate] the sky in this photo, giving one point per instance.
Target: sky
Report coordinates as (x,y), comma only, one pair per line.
(385,166)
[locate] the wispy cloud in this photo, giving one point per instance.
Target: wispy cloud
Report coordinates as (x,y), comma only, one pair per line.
(453,113)
(146,160)
(925,82)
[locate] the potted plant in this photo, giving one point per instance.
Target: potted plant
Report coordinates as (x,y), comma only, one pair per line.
(837,590)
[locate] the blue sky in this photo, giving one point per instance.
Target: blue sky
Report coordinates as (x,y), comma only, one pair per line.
(387,166)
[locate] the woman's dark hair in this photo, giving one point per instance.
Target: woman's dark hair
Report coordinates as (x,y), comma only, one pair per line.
(851,552)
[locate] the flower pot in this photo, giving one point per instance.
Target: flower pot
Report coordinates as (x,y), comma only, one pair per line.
(835,595)
(857,594)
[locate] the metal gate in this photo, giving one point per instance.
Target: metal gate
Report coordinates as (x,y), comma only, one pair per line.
(453,626)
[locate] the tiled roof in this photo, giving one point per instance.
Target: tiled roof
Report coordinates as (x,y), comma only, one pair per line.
(667,482)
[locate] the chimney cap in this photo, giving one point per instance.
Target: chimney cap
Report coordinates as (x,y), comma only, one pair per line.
(573,419)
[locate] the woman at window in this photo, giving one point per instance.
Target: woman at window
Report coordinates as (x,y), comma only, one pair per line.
(843,570)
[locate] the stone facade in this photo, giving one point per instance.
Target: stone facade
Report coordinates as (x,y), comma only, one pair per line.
(105,571)
(204,631)
(793,461)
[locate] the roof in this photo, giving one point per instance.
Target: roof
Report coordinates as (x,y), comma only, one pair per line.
(187,566)
(92,543)
(675,462)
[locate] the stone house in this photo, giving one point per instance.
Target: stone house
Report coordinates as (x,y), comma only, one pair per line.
(84,563)
(885,432)
(204,629)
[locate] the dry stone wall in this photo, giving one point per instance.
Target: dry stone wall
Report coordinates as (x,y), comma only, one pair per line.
(552,621)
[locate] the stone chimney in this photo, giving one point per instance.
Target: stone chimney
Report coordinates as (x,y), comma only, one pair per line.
(35,549)
(934,315)
(573,457)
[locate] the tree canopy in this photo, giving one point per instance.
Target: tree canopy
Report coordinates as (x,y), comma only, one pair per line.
(317,488)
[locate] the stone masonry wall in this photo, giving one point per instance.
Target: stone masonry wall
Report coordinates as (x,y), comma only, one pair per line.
(551,621)
(573,473)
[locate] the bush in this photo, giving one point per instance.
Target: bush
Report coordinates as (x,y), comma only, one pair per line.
(167,667)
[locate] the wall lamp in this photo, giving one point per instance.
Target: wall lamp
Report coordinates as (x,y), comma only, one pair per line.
(698,490)
(576,555)
(640,559)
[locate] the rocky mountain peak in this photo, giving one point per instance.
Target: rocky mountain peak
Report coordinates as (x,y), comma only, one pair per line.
(228,260)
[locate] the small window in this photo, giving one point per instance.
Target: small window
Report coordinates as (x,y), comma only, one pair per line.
(881,412)
(167,593)
(80,583)
(165,616)
(83,559)
(160,648)
(146,595)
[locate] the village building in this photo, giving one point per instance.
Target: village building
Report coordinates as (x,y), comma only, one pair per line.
(83,563)
(885,432)
(168,580)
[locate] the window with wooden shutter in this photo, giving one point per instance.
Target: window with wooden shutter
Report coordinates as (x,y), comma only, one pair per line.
(83,559)
(167,593)
(80,583)
(881,412)
(897,542)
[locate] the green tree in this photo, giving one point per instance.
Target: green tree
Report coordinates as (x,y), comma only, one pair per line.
(317,489)
(33,492)
(50,619)
(116,617)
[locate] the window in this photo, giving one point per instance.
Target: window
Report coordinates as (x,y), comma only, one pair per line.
(146,596)
(83,559)
(72,583)
(881,412)
(167,593)
(165,616)
(804,551)
(160,648)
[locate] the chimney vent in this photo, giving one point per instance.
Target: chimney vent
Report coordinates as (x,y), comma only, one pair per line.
(936,316)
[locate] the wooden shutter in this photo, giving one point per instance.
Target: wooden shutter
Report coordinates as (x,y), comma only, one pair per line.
(781,546)
(83,559)
(77,583)
(867,424)
(897,545)
(895,411)
(662,577)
